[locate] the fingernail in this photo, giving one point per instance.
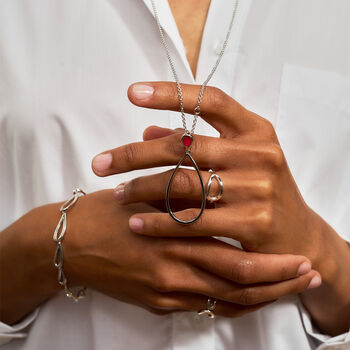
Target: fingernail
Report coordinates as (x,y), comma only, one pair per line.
(315,282)
(119,192)
(136,224)
(102,162)
(304,268)
(142,91)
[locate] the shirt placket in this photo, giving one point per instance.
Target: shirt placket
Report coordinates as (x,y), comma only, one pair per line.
(177,52)
(214,35)
(190,331)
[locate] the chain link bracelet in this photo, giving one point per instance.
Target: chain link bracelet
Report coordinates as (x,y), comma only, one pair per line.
(58,237)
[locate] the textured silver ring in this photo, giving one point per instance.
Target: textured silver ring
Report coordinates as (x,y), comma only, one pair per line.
(209,311)
(215,176)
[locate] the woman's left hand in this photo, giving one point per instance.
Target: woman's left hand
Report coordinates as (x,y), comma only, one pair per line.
(261,205)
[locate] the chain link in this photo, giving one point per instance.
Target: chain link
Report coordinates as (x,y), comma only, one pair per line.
(197,110)
(58,237)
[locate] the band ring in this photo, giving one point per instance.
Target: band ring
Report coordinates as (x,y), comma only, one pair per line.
(209,311)
(213,176)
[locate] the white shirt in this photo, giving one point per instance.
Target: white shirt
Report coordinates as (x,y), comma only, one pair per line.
(64,70)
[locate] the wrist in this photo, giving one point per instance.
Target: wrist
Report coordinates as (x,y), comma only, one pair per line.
(320,246)
(75,239)
(26,249)
(39,246)
(329,304)
(335,268)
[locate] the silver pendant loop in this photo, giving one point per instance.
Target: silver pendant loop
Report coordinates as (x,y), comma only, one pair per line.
(167,195)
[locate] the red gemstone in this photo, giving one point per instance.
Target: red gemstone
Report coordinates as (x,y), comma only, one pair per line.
(187,140)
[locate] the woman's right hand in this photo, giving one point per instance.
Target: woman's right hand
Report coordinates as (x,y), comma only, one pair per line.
(168,274)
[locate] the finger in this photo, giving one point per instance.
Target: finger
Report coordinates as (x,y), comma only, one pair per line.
(217,108)
(156,132)
(239,187)
(254,294)
(243,224)
(207,151)
(200,282)
(239,266)
(164,303)
(185,185)
(178,284)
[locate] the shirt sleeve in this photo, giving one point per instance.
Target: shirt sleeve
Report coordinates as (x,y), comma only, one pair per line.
(18,330)
(323,341)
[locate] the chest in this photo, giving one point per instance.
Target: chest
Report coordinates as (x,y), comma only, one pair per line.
(190,17)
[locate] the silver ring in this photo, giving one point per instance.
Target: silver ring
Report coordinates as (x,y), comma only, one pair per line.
(213,176)
(209,311)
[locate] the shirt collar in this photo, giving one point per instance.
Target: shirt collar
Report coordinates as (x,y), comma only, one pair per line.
(169,26)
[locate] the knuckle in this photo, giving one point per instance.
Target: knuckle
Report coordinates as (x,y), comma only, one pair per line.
(128,153)
(156,301)
(284,272)
(265,220)
(162,283)
(174,146)
(167,91)
(161,302)
(190,214)
(252,245)
(151,302)
(267,127)
(217,98)
(171,90)
(182,181)
(168,303)
(177,250)
(157,227)
(248,296)
(202,223)
(266,188)
(242,272)
(274,156)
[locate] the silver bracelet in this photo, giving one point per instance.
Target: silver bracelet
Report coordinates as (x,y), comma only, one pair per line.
(58,237)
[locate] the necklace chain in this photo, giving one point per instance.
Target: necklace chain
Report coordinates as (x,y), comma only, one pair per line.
(172,66)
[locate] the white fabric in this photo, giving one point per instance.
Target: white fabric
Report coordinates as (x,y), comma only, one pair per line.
(64,70)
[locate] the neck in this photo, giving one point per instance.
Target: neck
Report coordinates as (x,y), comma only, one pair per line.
(190,17)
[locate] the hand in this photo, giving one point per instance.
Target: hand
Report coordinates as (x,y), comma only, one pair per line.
(161,275)
(165,275)
(261,206)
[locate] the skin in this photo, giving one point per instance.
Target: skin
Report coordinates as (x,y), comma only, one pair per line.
(190,17)
(158,274)
(261,206)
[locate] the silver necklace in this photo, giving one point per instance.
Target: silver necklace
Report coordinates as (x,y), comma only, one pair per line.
(187,137)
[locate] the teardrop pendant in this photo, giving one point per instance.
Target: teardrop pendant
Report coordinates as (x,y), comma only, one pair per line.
(187,141)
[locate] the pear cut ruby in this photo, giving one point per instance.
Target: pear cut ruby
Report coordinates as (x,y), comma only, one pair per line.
(186,140)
